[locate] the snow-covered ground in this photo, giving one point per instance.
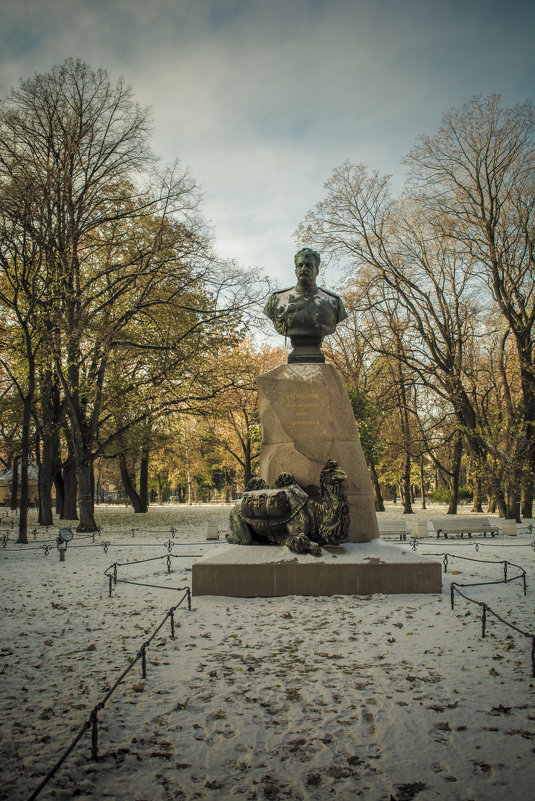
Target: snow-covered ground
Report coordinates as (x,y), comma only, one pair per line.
(267,698)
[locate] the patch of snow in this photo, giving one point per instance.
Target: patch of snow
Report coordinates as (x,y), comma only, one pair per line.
(269,698)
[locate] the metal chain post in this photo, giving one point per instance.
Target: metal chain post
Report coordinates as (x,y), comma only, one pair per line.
(94,733)
(483,620)
(144,660)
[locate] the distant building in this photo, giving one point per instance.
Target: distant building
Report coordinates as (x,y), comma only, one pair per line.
(6,485)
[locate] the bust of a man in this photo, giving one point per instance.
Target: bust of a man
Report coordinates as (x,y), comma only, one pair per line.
(306,313)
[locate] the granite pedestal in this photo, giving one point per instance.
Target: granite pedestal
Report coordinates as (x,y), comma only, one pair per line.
(248,571)
(307,419)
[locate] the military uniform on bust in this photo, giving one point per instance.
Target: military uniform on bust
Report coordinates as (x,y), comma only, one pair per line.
(305,313)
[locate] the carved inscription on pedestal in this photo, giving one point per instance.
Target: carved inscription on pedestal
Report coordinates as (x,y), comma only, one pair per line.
(305,411)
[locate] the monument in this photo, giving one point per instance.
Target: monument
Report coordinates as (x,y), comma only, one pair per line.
(304,407)
(310,445)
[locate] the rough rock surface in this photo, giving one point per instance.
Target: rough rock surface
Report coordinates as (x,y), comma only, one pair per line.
(307,419)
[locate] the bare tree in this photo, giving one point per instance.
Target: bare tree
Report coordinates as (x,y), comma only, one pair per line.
(478,172)
(20,265)
(123,248)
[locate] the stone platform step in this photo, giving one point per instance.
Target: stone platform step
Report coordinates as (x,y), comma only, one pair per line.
(364,568)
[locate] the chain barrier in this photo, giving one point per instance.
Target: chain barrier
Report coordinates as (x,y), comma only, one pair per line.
(172,530)
(415,542)
(113,579)
(506,579)
(40,544)
(47,546)
(454,587)
(92,722)
(485,609)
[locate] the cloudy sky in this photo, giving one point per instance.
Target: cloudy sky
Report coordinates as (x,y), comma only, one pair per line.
(264,98)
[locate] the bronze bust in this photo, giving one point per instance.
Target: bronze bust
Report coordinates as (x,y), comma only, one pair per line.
(306,313)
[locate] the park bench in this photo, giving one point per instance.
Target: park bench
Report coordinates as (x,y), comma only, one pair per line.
(394,527)
(464,525)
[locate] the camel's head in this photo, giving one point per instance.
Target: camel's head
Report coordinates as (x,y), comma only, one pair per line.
(332,473)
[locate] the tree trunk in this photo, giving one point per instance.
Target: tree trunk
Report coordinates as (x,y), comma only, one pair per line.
(15,484)
(379,500)
(60,493)
(477,495)
(247,467)
(422,483)
(128,485)
(478,453)
(51,415)
(500,503)
(514,486)
(24,462)
(455,473)
(144,478)
(527,494)
(406,485)
(84,474)
(70,488)
(47,468)
(513,507)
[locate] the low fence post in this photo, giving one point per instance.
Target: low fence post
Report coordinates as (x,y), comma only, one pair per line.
(94,733)
(144,660)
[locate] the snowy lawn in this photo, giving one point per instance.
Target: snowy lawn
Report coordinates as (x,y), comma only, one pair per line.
(282,698)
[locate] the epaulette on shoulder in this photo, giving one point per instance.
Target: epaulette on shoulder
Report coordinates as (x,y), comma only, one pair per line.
(281,291)
(328,292)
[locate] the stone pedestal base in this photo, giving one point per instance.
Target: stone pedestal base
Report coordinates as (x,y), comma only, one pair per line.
(248,571)
(307,419)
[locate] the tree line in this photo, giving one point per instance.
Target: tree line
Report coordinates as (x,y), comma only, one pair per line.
(440,286)
(115,310)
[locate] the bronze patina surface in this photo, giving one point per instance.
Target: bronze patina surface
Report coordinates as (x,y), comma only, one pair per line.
(305,313)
